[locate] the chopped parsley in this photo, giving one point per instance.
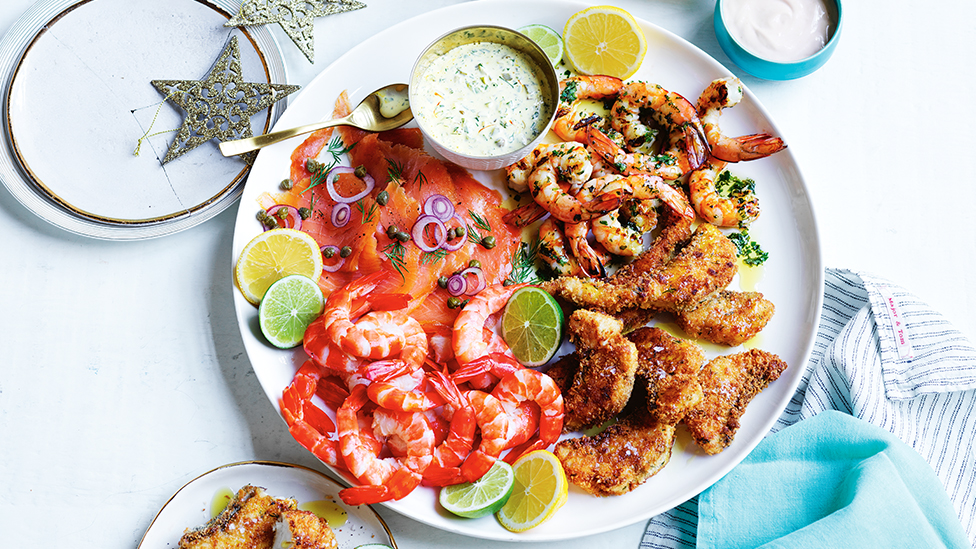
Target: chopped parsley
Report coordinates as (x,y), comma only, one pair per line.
(748,249)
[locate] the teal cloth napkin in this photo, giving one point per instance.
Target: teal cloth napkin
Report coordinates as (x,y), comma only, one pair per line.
(830,481)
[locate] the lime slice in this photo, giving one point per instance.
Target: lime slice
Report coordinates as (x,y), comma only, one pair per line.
(482,497)
(273,255)
(540,490)
(288,307)
(532,325)
(547,39)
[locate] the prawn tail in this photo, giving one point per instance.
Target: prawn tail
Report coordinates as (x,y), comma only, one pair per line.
(436,475)
(365,495)
(751,147)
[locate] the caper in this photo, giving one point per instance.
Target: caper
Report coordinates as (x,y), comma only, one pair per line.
(383,198)
(442,282)
(488,242)
(286,184)
(507,282)
(403,236)
(270,222)
(460,232)
(329,252)
(360,171)
(453,303)
(392,230)
(345,251)
(262,215)
(474,263)
(282,214)
(313,165)
(305,213)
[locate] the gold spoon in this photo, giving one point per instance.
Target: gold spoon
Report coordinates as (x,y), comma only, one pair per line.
(384,109)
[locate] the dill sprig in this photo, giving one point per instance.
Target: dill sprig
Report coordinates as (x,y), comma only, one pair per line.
(428,258)
(395,252)
(422,178)
(479,223)
(367,213)
(395,170)
(523,265)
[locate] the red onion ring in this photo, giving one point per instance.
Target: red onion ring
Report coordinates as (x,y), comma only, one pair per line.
(456,284)
(341,213)
(459,242)
(294,218)
(440,207)
(337,266)
(482,283)
(334,194)
(418,233)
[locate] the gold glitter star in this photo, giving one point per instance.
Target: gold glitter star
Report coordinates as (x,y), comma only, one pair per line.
(294,16)
(220,105)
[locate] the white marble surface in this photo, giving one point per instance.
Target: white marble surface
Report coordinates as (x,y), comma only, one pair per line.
(124,375)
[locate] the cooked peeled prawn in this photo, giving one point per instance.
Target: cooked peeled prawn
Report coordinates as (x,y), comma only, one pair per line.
(724,93)
(397,385)
(573,166)
(737,207)
(528,385)
(388,478)
(495,426)
(468,338)
(448,456)
(621,232)
(307,423)
(378,336)
(592,262)
(554,250)
(640,186)
(687,146)
(568,123)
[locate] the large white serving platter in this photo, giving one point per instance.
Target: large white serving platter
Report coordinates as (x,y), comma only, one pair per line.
(190,506)
(792,278)
(77,97)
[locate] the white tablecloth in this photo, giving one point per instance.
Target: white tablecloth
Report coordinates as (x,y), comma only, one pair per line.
(124,375)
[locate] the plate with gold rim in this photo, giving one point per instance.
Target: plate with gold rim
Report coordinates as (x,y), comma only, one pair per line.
(194,504)
(77,102)
(792,278)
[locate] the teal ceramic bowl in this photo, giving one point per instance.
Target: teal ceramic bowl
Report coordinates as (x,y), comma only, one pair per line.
(767,69)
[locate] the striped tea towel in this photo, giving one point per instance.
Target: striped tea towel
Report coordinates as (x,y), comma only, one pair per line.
(885,357)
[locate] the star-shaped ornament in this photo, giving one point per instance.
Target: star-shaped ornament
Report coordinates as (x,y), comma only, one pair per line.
(220,105)
(294,16)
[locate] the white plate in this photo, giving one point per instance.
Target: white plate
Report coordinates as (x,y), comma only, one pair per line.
(793,276)
(75,104)
(190,506)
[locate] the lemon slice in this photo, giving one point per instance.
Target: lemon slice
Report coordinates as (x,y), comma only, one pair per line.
(547,39)
(532,325)
(482,497)
(273,255)
(540,490)
(604,40)
(288,307)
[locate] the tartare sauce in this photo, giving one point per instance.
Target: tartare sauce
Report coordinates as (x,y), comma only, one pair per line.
(482,99)
(780,30)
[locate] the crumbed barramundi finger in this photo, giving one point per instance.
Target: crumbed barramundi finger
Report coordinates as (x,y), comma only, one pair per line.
(605,377)
(669,373)
(620,458)
(729,383)
(727,317)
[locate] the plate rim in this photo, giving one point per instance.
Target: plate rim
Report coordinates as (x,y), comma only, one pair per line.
(813,268)
(259,462)
(35,195)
